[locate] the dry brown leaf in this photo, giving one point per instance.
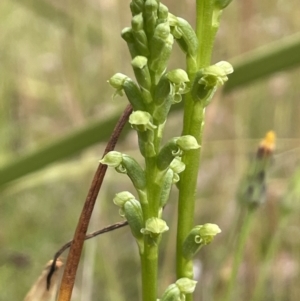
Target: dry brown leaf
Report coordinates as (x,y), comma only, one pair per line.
(38,291)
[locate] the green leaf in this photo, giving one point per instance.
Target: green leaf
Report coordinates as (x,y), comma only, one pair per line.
(264,61)
(61,149)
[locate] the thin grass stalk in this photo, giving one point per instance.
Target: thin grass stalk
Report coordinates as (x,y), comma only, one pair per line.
(239,252)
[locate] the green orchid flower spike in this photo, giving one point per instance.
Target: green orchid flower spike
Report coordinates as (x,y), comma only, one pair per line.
(153,92)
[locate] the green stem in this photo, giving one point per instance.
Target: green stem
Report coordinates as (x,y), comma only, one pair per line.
(193,125)
(187,188)
(239,251)
(149,260)
(205,31)
(263,272)
(149,256)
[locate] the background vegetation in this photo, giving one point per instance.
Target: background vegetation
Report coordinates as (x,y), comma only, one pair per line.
(55,105)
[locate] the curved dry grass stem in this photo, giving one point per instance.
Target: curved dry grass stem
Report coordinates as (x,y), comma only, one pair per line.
(69,275)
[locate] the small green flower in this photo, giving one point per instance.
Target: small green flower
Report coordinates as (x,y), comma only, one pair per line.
(186,285)
(141,121)
(174,148)
(112,159)
(154,227)
(122,197)
(207,232)
(126,165)
(117,81)
(169,91)
(208,79)
(187,143)
(198,237)
(215,75)
(180,82)
(178,290)
(122,82)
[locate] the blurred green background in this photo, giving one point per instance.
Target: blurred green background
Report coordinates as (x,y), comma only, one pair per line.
(56,113)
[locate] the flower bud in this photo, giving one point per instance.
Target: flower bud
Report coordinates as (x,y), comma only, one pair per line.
(134,95)
(134,172)
(142,122)
(185,36)
(136,7)
(127,35)
(134,215)
(162,91)
(154,227)
(122,197)
(160,112)
(197,238)
(139,35)
(112,159)
(150,15)
(161,47)
(167,154)
(163,13)
(163,99)
(141,71)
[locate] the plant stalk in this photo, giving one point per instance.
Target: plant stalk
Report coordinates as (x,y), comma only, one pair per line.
(239,251)
(187,191)
(193,125)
